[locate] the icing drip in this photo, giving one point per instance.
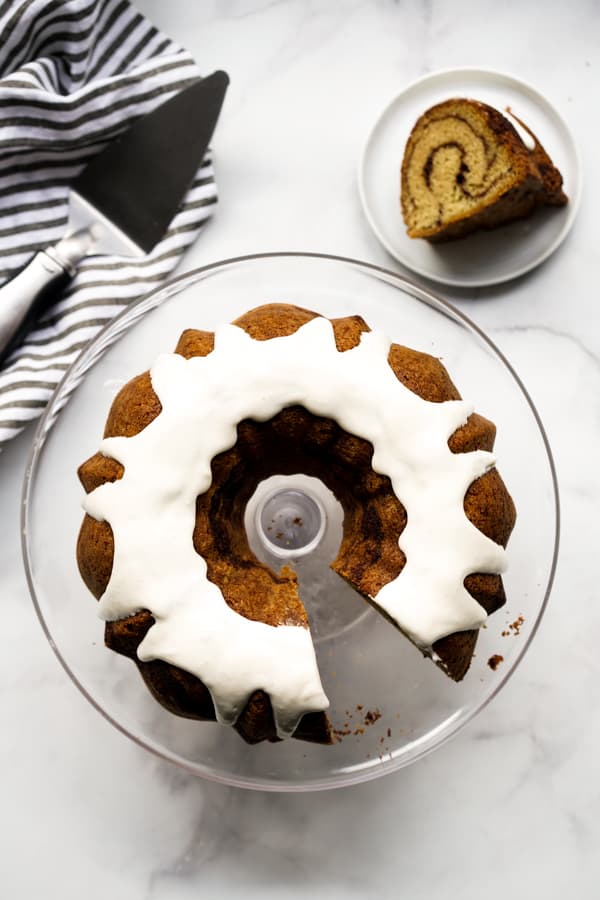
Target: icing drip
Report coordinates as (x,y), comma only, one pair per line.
(151,509)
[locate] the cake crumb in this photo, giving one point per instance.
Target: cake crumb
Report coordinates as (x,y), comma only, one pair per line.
(371,716)
(341,732)
(515,626)
(389,732)
(494,661)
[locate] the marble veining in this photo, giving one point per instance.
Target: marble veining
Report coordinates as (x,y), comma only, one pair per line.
(510,805)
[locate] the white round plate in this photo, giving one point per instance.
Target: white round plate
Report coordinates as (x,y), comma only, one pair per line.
(487,257)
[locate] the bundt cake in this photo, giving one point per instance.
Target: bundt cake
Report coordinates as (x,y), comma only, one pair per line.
(214,632)
(466,167)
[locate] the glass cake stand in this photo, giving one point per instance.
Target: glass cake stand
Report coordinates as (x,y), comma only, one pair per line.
(389,705)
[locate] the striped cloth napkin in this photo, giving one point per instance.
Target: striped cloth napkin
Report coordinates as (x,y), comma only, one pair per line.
(73,75)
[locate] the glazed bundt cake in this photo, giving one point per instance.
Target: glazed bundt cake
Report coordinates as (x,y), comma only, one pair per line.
(214,632)
(465,167)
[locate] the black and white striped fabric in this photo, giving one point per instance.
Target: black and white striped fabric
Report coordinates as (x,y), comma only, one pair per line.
(73,75)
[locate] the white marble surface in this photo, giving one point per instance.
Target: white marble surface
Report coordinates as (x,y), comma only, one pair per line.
(511,807)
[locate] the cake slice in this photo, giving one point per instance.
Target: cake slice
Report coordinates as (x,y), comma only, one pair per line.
(466,167)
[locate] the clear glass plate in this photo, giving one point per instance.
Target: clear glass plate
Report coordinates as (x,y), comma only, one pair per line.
(393,705)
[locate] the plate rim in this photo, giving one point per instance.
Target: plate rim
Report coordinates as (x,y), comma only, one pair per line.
(574,196)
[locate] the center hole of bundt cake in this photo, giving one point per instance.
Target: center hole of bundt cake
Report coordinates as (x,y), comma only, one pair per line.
(296,521)
(290,521)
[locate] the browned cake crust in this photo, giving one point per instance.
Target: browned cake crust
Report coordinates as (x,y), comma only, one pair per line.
(293,441)
(465,168)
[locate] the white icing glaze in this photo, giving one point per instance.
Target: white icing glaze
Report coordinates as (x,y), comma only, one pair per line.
(151,509)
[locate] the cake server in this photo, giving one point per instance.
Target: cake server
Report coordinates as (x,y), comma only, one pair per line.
(121,203)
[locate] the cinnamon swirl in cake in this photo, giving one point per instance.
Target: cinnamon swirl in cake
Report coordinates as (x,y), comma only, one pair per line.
(466,167)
